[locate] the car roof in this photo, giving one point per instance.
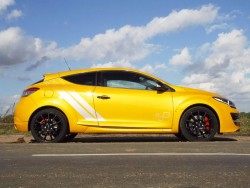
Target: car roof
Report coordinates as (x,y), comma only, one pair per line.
(71,72)
(65,73)
(78,71)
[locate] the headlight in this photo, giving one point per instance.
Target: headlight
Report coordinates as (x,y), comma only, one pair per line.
(226,101)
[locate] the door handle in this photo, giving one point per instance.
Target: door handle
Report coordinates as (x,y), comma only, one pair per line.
(103,97)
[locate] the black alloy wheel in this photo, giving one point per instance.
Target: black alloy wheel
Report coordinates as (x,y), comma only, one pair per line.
(49,125)
(198,124)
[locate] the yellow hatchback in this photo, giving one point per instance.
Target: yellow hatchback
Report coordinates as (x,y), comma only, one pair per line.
(116,100)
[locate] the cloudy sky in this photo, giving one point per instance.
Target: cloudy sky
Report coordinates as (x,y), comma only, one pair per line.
(201,44)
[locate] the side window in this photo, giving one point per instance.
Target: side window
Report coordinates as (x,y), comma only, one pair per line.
(124,84)
(129,80)
(82,79)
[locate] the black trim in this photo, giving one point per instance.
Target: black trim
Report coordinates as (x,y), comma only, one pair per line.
(236,118)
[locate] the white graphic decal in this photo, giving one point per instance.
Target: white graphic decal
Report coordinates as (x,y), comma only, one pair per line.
(76,106)
(86,105)
(162,116)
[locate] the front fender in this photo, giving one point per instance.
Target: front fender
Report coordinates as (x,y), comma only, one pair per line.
(222,111)
(180,108)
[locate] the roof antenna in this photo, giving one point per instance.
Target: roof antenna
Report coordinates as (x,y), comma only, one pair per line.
(67,64)
(13,107)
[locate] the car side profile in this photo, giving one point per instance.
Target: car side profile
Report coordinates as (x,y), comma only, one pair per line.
(119,100)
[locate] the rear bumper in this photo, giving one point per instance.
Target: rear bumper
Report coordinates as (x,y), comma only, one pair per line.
(22,113)
(20,125)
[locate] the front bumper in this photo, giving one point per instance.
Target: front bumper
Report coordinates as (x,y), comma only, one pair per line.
(236,119)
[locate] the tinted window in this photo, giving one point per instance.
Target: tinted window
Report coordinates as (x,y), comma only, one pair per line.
(82,79)
(130,80)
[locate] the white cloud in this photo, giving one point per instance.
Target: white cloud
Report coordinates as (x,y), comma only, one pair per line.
(224,21)
(14,14)
(227,47)
(4,4)
(130,42)
(120,63)
(181,19)
(183,58)
(9,15)
(16,47)
(201,81)
(196,78)
(148,68)
(154,68)
(214,27)
(225,70)
(126,64)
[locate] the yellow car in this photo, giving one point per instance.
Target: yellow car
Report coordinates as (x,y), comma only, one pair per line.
(116,100)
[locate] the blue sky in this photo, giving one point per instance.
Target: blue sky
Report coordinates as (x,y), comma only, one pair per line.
(201,44)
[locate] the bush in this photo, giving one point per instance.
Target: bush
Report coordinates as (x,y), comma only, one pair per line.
(7,119)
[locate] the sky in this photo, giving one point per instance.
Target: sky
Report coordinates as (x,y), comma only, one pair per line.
(199,44)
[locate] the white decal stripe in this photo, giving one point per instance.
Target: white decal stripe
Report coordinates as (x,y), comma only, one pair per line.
(99,117)
(87,106)
(76,106)
(83,103)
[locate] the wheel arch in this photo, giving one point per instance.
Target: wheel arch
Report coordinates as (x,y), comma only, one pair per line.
(45,107)
(200,105)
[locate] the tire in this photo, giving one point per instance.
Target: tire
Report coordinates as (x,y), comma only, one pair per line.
(70,136)
(49,125)
(199,124)
(180,137)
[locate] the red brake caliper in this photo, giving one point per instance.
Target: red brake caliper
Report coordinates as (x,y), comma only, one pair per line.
(207,123)
(43,121)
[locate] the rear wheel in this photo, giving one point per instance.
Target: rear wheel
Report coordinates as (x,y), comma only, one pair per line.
(198,124)
(49,125)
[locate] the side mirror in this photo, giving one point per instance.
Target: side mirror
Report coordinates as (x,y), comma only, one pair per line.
(161,88)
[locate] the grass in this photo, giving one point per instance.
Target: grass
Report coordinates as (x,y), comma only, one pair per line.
(7,127)
(244,127)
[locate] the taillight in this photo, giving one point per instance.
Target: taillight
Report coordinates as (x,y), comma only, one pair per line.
(29,91)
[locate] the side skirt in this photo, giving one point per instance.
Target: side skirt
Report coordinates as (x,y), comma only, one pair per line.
(128,130)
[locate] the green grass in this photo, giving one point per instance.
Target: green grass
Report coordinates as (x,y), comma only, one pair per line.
(244,127)
(7,129)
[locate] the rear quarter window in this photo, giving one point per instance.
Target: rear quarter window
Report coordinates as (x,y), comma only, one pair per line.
(82,78)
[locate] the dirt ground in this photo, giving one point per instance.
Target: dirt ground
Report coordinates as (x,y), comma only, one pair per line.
(117,137)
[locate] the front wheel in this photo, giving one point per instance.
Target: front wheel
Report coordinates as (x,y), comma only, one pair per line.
(198,124)
(49,125)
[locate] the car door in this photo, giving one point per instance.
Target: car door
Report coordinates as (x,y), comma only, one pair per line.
(131,100)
